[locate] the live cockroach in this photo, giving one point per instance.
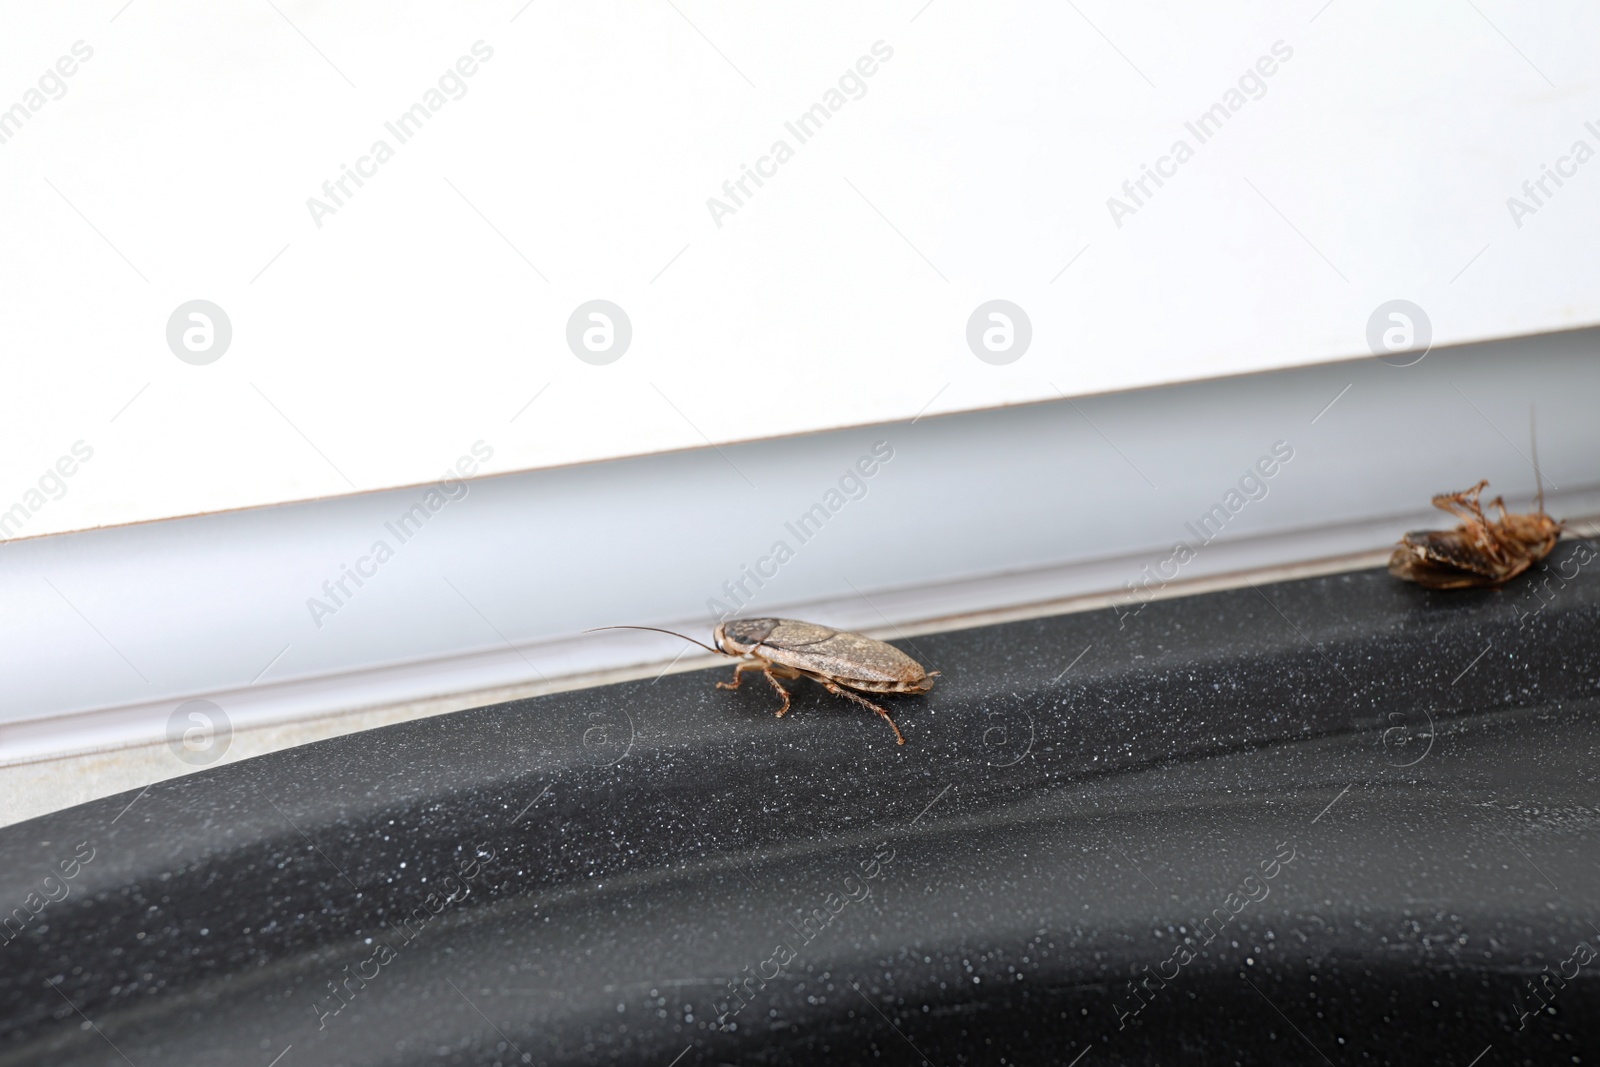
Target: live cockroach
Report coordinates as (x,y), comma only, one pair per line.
(838,659)
(1479,552)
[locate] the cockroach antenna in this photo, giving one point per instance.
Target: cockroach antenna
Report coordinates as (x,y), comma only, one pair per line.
(1533,435)
(654,629)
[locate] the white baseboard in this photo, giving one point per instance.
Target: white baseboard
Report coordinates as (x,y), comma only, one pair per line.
(978,517)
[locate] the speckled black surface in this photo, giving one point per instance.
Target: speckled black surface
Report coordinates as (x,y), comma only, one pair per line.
(1042,839)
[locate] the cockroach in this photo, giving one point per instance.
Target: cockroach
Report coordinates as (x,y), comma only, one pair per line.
(1479,552)
(838,659)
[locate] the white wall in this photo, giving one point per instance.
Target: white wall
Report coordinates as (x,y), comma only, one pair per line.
(373,350)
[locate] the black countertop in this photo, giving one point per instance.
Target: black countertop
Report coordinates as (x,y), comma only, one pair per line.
(1340,820)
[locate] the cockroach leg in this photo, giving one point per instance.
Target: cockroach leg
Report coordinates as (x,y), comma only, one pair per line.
(784,693)
(738,673)
(773,671)
(841,691)
(1463,505)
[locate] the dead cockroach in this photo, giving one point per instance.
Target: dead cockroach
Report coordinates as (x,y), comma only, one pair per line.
(839,659)
(1479,552)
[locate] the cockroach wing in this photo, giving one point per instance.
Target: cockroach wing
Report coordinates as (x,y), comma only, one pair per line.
(1407,565)
(839,654)
(1456,550)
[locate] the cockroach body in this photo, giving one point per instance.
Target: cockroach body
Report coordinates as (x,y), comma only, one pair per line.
(1479,552)
(839,660)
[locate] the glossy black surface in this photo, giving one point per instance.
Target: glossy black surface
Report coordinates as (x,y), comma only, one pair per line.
(1076,793)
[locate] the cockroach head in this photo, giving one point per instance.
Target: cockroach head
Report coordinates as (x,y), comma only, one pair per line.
(1534,528)
(738,636)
